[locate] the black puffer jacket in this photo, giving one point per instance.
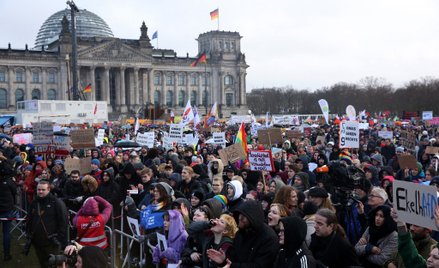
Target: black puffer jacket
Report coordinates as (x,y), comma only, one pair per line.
(109,190)
(256,245)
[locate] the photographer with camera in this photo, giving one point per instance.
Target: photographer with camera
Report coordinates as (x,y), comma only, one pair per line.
(80,257)
(46,226)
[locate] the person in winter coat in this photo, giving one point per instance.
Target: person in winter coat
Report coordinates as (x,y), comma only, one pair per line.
(234,192)
(255,243)
(30,184)
(293,252)
(176,237)
(189,184)
(90,222)
(59,178)
(215,169)
(8,191)
(380,240)
(109,189)
(73,191)
(89,185)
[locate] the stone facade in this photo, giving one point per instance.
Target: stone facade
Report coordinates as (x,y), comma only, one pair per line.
(130,75)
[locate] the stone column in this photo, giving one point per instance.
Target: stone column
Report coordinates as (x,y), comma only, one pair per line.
(106,88)
(150,89)
(243,87)
(93,83)
(144,91)
(200,91)
(28,90)
(123,106)
(44,88)
(163,90)
(188,90)
(136,90)
(12,100)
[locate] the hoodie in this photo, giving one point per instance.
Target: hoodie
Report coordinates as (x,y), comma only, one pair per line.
(215,173)
(235,200)
(109,190)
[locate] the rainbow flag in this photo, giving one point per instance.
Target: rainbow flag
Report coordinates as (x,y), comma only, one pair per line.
(241,137)
(211,116)
(214,15)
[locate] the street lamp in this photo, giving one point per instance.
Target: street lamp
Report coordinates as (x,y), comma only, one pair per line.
(73,9)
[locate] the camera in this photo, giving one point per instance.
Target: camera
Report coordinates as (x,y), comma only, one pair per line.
(56,260)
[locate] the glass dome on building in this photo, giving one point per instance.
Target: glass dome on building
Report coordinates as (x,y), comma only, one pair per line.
(88,24)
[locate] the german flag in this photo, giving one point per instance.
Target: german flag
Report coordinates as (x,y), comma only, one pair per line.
(214,15)
(87,89)
(201,59)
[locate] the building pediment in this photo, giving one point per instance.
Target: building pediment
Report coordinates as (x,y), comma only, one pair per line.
(114,50)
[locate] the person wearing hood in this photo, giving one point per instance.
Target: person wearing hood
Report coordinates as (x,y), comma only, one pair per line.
(30,184)
(128,181)
(109,189)
(90,222)
(176,237)
(255,243)
(372,174)
(234,193)
(215,168)
(302,164)
(293,252)
(59,178)
(301,181)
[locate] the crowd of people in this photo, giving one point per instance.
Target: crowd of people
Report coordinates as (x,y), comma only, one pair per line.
(304,213)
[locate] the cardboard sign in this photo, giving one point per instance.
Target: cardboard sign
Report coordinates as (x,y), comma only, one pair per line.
(385,134)
(415,203)
(23,138)
(219,138)
(100,137)
(83,138)
(320,139)
(349,134)
(232,153)
(61,143)
(260,160)
(270,136)
(145,139)
(408,140)
(176,132)
(432,150)
(293,134)
(427,115)
(82,164)
(407,161)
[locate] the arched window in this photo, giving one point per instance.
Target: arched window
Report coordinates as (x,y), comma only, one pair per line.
(51,94)
(3,98)
(194,97)
(169,98)
(228,80)
(157,98)
(181,98)
(19,95)
(36,94)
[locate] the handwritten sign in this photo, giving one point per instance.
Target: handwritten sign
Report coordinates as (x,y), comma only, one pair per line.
(42,133)
(232,153)
(260,160)
(432,150)
(61,142)
(293,134)
(167,143)
(385,134)
(83,165)
(408,140)
(407,161)
(349,134)
(270,136)
(176,133)
(415,203)
(83,138)
(219,138)
(100,137)
(146,139)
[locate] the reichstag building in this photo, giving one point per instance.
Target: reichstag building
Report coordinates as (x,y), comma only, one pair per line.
(129,74)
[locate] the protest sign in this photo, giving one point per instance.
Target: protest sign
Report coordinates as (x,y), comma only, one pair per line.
(61,143)
(260,160)
(293,134)
(100,137)
(363,126)
(427,115)
(176,133)
(408,140)
(407,161)
(83,138)
(349,134)
(83,165)
(415,203)
(145,139)
(22,138)
(167,143)
(219,138)
(434,121)
(351,113)
(287,119)
(320,140)
(270,136)
(42,133)
(432,150)
(232,153)
(385,134)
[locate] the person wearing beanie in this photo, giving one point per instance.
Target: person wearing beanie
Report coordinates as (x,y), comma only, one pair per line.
(309,211)
(196,198)
(224,201)
(234,193)
(214,207)
(96,171)
(320,197)
(89,233)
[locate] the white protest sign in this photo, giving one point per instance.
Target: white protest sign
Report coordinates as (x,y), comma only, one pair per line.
(349,134)
(167,143)
(385,134)
(134,225)
(146,139)
(56,128)
(363,126)
(42,133)
(415,203)
(260,160)
(100,137)
(176,132)
(427,115)
(219,138)
(23,138)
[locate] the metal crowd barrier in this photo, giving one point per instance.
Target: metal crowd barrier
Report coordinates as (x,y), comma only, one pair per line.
(129,241)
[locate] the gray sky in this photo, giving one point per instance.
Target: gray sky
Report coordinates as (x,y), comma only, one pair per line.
(304,44)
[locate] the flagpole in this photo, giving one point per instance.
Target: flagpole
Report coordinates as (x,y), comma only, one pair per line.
(218,18)
(157,41)
(205,86)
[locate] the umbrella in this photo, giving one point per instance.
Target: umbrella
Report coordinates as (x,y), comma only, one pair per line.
(4,136)
(126,144)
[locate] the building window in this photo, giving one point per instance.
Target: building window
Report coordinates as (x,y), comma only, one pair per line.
(221,46)
(35,77)
(228,80)
(19,76)
(181,79)
(169,98)
(157,98)
(157,79)
(3,99)
(2,76)
(19,95)
(227,45)
(232,45)
(194,97)
(229,99)
(181,98)
(169,79)
(205,98)
(36,95)
(206,79)
(51,94)
(51,77)
(194,80)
